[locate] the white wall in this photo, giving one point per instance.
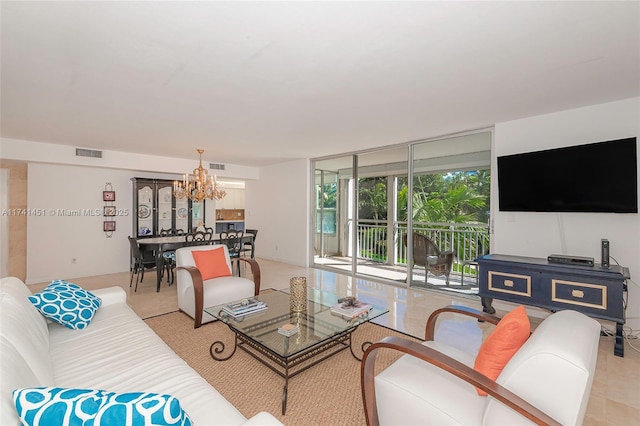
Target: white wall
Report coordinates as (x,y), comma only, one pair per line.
(541,234)
(55,237)
(277,205)
(63,224)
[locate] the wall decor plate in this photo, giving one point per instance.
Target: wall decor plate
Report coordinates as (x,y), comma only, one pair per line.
(182,212)
(144,211)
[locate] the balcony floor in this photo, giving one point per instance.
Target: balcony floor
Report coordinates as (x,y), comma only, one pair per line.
(398,274)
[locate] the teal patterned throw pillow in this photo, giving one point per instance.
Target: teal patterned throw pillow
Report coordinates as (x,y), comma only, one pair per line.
(57,406)
(67,304)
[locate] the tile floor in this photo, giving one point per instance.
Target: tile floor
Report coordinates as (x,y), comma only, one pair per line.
(615,396)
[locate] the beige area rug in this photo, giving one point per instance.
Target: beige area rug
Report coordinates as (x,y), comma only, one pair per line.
(326,394)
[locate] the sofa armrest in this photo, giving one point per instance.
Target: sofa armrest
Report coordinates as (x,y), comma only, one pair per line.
(446,363)
(111,295)
(262,418)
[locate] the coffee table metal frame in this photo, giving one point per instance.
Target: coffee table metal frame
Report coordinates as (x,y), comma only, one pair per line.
(286,365)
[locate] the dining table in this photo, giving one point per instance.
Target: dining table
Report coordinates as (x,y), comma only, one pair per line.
(173,242)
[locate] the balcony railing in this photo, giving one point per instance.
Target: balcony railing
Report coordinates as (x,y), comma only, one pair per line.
(468,241)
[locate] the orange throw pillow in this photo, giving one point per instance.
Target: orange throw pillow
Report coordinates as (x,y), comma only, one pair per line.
(502,344)
(211,263)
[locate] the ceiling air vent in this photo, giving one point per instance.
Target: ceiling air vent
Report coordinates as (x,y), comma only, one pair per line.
(81,152)
(216,166)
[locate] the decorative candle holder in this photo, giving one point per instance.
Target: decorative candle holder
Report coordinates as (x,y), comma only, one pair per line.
(298,294)
(298,318)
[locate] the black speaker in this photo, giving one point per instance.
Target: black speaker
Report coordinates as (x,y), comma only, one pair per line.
(605,253)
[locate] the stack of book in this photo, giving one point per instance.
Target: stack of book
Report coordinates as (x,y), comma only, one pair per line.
(288,329)
(353,310)
(244,307)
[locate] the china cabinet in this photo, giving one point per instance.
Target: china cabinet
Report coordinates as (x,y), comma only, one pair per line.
(156,209)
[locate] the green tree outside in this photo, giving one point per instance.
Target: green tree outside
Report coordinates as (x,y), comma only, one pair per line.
(372,198)
(456,197)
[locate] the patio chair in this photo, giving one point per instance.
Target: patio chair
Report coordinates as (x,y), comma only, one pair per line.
(426,253)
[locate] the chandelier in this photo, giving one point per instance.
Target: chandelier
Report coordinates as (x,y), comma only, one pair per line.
(198,186)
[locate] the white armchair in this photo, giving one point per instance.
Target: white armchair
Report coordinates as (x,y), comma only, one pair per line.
(547,381)
(194,294)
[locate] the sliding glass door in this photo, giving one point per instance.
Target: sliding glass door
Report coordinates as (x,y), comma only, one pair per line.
(377,222)
(449,210)
(333,213)
(369,205)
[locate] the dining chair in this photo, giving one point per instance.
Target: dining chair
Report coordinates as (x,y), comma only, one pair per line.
(250,246)
(171,232)
(209,231)
(169,252)
(232,238)
(169,255)
(142,259)
(197,238)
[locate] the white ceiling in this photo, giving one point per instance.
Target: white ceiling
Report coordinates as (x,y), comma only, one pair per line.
(257,83)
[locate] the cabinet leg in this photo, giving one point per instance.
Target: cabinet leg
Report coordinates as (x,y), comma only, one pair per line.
(486,305)
(618,349)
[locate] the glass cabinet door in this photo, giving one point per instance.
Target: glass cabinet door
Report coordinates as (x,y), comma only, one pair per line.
(144,209)
(182,215)
(197,214)
(165,208)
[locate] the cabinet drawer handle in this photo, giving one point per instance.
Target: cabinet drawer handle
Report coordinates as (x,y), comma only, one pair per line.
(508,283)
(577,293)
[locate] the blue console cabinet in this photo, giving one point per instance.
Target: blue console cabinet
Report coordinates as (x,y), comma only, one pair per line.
(595,291)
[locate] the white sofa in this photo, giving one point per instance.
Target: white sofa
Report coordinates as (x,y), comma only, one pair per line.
(548,379)
(117,352)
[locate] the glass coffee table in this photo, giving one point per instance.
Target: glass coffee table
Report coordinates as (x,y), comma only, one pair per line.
(321,335)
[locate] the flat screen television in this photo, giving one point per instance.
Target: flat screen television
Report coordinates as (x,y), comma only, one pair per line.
(596,178)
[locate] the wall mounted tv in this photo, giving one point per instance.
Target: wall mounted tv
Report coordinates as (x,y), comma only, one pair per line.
(597,178)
